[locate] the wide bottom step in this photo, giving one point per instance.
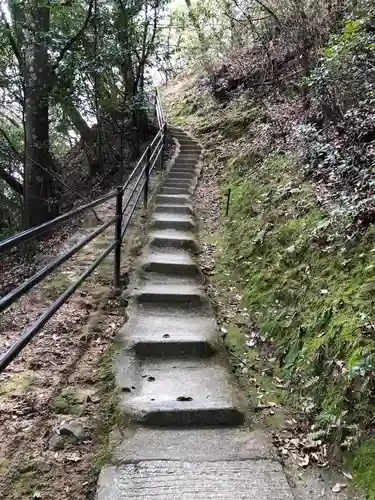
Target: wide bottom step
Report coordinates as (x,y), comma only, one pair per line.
(172,480)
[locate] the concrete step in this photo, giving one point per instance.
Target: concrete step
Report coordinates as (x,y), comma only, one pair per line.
(186,163)
(177,183)
(194,480)
(175,190)
(190,282)
(174,209)
(173,199)
(170,261)
(183,162)
(179,392)
(166,332)
(186,184)
(185,295)
(187,142)
(179,222)
(192,445)
(177,171)
(163,238)
(191,150)
(181,176)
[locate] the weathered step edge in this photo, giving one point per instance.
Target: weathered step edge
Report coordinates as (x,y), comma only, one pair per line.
(210,410)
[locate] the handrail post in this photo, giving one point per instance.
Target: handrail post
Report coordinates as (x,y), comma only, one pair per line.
(164,143)
(156,104)
(146,188)
(118,230)
(228,202)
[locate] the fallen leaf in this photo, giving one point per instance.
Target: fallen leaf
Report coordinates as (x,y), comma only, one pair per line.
(348,475)
(73,457)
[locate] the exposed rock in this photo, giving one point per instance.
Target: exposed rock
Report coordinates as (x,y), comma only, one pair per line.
(43,466)
(93,399)
(73,429)
(56,442)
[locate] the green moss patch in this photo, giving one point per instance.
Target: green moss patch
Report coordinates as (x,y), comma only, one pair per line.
(364,467)
(307,288)
(17,385)
(69,402)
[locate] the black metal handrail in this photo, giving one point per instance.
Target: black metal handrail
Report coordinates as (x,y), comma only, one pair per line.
(131,190)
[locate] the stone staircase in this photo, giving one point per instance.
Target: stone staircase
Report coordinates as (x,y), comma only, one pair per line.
(188,438)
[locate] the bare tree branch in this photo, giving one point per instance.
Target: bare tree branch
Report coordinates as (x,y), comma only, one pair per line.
(18,155)
(269,10)
(12,41)
(11,181)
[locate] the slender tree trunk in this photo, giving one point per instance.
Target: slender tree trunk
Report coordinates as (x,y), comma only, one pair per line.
(124,41)
(98,89)
(38,188)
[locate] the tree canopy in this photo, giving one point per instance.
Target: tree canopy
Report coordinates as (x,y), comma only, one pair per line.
(67,69)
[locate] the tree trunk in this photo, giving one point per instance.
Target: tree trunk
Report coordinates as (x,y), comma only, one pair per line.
(124,40)
(38,187)
(78,122)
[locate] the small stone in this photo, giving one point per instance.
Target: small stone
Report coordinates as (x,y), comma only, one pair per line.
(56,442)
(184,398)
(151,379)
(73,429)
(43,466)
(115,436)
(93,399)
(166,336)
(338,487)
(126,389)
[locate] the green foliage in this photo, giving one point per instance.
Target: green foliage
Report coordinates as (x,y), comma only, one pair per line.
(344,67)
(96,61)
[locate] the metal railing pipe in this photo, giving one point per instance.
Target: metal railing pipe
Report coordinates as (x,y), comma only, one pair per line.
(36,231)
